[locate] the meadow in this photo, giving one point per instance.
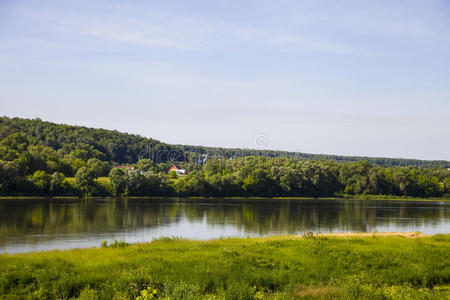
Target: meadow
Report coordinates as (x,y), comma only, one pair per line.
(284,267)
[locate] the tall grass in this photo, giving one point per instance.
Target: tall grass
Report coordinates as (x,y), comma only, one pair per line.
(265,268)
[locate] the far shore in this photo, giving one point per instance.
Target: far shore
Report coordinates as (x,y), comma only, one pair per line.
(357,197)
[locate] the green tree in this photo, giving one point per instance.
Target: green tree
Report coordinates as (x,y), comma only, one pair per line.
(84,179)
(56,183)
(118,180)
(146,165)
(9,176)
(100,168)
(158,185)
(41,180)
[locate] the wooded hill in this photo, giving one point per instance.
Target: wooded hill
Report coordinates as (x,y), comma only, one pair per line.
(118,147)
(42,158)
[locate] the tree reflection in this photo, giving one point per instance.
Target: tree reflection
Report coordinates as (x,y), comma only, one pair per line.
(47,217)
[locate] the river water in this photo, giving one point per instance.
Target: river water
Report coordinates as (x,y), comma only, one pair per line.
(45,224)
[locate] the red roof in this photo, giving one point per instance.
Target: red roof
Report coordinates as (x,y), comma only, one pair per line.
(174,168)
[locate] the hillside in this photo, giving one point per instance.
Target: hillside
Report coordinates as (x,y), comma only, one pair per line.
(42,158)
(118,147)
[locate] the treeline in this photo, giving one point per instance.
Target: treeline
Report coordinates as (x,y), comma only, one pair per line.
(270,177)
(42,158)
(247,177)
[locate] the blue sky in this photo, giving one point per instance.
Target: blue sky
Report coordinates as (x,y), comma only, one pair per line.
(347,77)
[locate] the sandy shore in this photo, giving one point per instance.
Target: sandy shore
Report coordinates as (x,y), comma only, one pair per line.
(404,234)
(414,234)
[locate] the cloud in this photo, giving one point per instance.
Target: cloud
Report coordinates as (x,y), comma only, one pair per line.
(172,30)
(157,29)
(303,43)
(110,33)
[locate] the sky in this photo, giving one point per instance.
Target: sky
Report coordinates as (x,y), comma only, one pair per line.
(362,77)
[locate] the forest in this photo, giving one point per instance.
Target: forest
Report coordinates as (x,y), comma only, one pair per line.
(47,159)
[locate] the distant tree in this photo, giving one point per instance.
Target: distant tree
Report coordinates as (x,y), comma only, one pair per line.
(292,181)
(100,168)
(146,165)
(158,185)
(194,184)
(9,175)
(41,180)
(118,180)
(446,185)
(259,183)
(84,179)
(56,183)
(16,141)
(137,184)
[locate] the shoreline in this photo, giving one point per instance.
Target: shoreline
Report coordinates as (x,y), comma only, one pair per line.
(260,239)
(358,197)
(404,234)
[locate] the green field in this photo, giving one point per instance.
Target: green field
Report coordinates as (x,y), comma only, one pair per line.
(373,267)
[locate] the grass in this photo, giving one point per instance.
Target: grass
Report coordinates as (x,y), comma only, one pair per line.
(103,180)
(312,267)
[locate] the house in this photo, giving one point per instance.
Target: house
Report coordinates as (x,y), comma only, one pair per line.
(125,167)
(177,169)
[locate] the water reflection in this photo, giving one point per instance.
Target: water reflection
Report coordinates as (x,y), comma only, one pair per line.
(39,224)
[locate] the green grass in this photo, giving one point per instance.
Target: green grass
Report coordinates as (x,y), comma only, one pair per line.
(104,180)
(70,180)
(262,268)
(104,185)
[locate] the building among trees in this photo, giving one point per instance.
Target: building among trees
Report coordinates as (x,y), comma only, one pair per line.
(178,170)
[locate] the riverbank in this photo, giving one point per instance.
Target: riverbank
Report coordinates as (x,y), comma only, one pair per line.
(285,267)
(356,197)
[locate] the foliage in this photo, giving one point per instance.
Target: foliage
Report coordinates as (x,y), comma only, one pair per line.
(118,181)
(173,174)
(84,179)
(37,156)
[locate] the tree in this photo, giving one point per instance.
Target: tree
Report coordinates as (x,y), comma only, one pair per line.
(259,183)
(118,180)
(41,181)
(84,179)
(173,174)
(136,183)
(158,185)
(194,184)
(291,181)
(56,183)
(146,165)
(100,168)
(9,175)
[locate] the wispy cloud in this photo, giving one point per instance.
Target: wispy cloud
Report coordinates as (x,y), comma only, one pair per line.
(304,43)
(156,30)
(168,29)
(142,37)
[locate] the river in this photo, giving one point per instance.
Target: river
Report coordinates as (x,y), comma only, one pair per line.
(45,224)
